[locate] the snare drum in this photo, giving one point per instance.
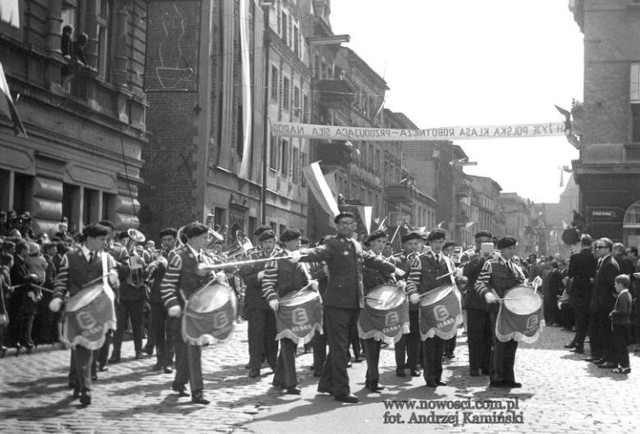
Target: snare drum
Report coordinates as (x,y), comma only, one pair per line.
(88,316)
(299,315)
(385,297)
(440,313)
(209,315)
(520,317)
(385,316)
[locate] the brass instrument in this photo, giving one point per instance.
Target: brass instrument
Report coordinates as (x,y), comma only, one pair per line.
(135,277)
(242,246)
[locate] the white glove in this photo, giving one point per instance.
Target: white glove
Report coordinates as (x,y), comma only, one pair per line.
(221,277)
(490,297)
(112,278)
(295,256)
(402,284)
(414,298)
(174,311)
(55,304)
(274,305)
(260,276)
(162,261)
(399,272)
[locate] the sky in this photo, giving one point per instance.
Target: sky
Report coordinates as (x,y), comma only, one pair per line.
(471,62)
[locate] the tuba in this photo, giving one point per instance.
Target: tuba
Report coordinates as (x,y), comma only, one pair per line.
(241,248)
(137,264)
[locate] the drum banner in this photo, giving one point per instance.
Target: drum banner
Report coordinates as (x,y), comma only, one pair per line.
(300,322)
(88,325)
(441,318)
(204,328)
(521,328)
(384,325)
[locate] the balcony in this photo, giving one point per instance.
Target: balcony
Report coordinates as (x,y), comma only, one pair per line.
(334,93)
(400,194)
(463,190)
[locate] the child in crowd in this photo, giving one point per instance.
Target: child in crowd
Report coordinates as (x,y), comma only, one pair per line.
(6,262)
(621,324)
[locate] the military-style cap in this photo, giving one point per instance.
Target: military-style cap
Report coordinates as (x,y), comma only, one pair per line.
(168,232)
(260,230)
(505,242)
(374,236)
(413,235)
(95,231)
(436,234)
(194,229)
(483,234)
(344,215)
(266,235)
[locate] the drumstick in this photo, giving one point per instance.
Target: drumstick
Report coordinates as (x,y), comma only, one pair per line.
(94,280)
(33,285)
(444,275)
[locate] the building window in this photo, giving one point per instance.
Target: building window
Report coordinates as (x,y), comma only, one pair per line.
(69,15)
(108,206)
(296,100)
(634,99)
(220,217)
(273,154)
(22,192)
(285,93)
(304,164)
(274,83)
(91,206)
(296,41)
(305,109)
(296,165)
(284,157)
(104,19)
(285,28)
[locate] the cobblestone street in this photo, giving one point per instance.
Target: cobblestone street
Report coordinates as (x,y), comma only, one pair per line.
(561,393)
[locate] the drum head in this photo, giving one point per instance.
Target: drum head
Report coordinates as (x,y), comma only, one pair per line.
(210,298)
(83,297)
(385,297)
(522,300)
(434,296)
(298,297)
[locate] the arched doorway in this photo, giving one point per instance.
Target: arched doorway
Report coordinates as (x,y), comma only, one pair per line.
(631,225)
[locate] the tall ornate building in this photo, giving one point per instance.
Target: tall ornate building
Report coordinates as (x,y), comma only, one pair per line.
(84,111)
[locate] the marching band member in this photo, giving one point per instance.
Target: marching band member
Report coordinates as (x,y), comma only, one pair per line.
(479,331)
(371,278)
(77,269)
(407,349)
(162,327)
(180,281)
(280,279)
(343,299)
(497,277)
(261,319)
(426,270)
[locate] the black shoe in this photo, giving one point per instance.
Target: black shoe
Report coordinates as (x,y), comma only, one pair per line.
(512,384)
(76,393)
(432,384)
(148,350)
(577,350)
(415,372)
(498,384)
(400,372)
(103,367)
(374,386)
(139,355)
(247,366)
(115,358)
(474,372)
(168,370)
(29,349)
(199,398)
(357,359)
(349,364)
(441,383)
(348,398)
(571,345)
(486,372)
(72,383)
(607,365)
(450,356)
(600,361)
(94,377)
(156,367)
(294,390)
(85,398)
(180,390)
(323,390)
(254,373)
(3,351)
(591,359)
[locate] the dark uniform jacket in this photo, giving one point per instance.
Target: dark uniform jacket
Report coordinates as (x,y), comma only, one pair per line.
(604,291)
(372,278)
(425,271)
(471,270)
(253,293)
(22,279)
(180,280)
(582,268)
(75,271)
(283,277)
(345,260)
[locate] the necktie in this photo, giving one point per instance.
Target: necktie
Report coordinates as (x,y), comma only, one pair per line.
(91,255)
(437,257)
(510,267)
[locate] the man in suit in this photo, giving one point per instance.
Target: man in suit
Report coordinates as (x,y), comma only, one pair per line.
(498,276)
(602,302)
(343,299)
(582,270)
(479,332)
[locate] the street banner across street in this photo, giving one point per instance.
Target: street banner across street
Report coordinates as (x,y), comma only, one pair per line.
(336,132)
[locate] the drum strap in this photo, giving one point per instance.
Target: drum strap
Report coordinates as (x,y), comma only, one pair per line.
(105,277)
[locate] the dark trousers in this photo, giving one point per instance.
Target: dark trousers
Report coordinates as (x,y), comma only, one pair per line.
(408,347)
(479,335)
(262,338)
(567,316)
(432,351)
(285,375)
(188,364)
(372,354)
(354,341)
(162,328)
(82,361)
(620,342)
(320,348)
(600,336)
(582,324)
(101,356)
(125,311)
(334,374)
(503,357)
(550,310)
(450,345)
(24,330)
